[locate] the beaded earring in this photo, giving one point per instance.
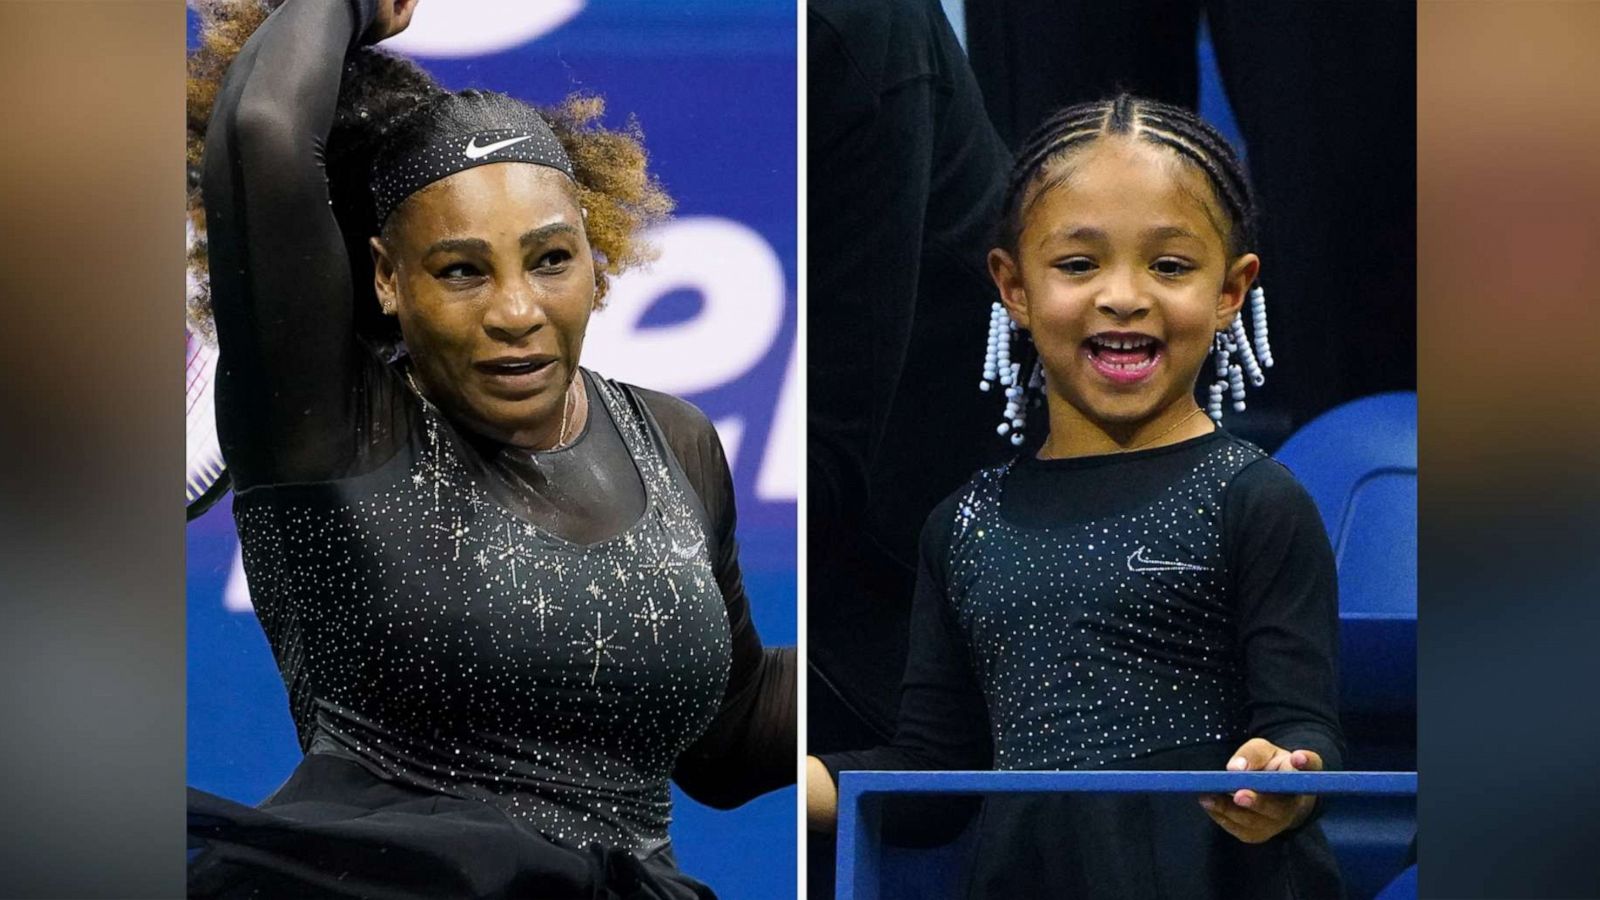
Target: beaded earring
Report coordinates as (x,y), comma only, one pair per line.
(999,368)
(1251,346)
(1252,359)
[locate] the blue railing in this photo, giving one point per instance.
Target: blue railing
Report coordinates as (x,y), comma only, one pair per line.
(861,795)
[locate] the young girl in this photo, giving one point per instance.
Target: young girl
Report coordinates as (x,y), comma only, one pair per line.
(1145,591)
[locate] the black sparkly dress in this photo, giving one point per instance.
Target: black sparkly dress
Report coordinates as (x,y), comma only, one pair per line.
(1148,610)
(496,659)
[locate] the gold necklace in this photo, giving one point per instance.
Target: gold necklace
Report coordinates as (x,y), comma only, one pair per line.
(1141,445)
(567,408)
(566,411)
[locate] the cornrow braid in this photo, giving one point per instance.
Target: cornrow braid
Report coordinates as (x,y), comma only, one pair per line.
(1062,130)
(1191,138)
(1120,118)
(1174,127)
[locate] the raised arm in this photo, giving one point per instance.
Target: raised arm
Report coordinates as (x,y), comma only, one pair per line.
(280,279)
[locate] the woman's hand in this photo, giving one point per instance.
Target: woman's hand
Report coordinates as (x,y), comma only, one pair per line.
(1253,817)
(394,16)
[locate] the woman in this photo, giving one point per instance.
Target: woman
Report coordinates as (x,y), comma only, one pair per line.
(503,592)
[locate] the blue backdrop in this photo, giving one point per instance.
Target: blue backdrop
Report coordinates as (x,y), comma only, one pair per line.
(712,83)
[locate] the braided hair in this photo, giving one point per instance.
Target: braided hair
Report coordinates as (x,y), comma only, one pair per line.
(387,103)
(1042,164)
(1179,129)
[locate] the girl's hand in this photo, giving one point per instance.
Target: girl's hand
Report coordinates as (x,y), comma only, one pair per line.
(822,797)
(394,16)
(1252,817)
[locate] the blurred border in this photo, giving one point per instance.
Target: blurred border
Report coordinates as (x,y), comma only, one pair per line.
(91,449)
(1508,309)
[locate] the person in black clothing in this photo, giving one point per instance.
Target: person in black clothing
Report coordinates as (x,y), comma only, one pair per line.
(1143,591)
(906,182)
(503,591)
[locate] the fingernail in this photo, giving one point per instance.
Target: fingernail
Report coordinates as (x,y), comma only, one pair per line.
(1246,801)
(1236,764)
(1208,803)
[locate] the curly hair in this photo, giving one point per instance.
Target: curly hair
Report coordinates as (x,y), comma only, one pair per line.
(384,100)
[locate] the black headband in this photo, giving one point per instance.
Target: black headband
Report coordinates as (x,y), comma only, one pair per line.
(448,154)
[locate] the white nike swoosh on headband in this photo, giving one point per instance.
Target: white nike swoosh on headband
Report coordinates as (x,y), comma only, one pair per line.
(476,152)
(1138,562)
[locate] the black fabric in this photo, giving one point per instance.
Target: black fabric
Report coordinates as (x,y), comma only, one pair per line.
(997,679)
(1325,97)
(336,830)
(906,176)
(313,423)
(905,180)
(444,640)
(1117,847)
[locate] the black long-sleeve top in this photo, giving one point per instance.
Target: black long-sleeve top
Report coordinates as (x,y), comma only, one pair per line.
(319,433)
(1148,610)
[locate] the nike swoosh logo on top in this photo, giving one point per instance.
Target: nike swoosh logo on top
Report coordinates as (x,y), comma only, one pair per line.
(476,152)
(1138,562)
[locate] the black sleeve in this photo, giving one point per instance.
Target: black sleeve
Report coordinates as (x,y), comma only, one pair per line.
(943,722)
(749,748)
(280,277)
(1286,588)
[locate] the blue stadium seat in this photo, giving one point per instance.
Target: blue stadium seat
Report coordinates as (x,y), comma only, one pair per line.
(1359,463)
(1403,887)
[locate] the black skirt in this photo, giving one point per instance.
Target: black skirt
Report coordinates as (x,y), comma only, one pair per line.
(337,830)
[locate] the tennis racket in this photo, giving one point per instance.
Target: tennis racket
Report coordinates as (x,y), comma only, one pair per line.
(207,478)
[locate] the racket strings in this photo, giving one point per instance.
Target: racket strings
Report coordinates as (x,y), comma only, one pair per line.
(206,472)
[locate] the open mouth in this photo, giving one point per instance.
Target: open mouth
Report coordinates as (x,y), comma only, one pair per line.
(1124,357)
(519,373)
(514,367)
